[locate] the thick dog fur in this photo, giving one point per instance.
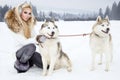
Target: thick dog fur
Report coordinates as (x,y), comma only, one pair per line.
(51,50)
(101,41)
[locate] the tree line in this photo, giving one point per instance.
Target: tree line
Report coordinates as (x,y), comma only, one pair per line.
(113,13)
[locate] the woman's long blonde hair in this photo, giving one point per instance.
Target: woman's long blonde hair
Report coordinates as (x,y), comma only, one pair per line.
(16,23)
(26,25)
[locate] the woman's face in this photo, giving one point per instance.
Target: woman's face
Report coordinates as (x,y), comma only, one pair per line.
(26,14)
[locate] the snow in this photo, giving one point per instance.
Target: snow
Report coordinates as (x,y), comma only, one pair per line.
(76,47)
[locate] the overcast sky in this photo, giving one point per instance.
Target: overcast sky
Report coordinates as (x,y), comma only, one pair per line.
(91,5)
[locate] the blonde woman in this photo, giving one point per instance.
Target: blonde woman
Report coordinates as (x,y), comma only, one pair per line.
(21,22)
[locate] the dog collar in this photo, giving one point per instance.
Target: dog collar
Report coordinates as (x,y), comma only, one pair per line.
(97,35)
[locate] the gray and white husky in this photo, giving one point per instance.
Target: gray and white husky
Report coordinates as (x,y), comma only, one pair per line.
(51,50)
(101,41)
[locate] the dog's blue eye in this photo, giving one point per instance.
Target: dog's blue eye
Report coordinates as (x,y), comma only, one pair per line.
(48,27)
(102,25)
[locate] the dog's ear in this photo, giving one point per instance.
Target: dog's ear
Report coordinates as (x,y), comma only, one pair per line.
(46,20)
(44,25)
(98,19)
(107,18)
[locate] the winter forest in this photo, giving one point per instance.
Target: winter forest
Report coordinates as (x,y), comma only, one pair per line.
(75,21)
(113,12)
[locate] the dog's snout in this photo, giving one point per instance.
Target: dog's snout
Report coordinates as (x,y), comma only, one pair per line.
(53,33)
(108,29)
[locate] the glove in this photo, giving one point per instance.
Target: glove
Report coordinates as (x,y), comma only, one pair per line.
(40,38)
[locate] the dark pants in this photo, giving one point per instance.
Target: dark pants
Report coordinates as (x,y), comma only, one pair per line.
(26,58)
(36,60)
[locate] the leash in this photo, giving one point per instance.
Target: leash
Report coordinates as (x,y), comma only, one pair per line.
(74,35)
(85,34)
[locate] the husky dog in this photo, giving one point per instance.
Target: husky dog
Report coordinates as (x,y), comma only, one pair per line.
(101,41)
(51,50)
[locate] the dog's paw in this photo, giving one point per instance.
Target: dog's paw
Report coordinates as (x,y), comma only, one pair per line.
(100,63)
(69,69)
(92,69)
(44,74)
(106,70)
(49,73)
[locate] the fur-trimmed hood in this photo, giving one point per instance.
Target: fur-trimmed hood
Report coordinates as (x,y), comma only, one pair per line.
(16,24)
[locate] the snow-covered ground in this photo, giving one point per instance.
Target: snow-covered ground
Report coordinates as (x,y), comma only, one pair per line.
(77,49)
